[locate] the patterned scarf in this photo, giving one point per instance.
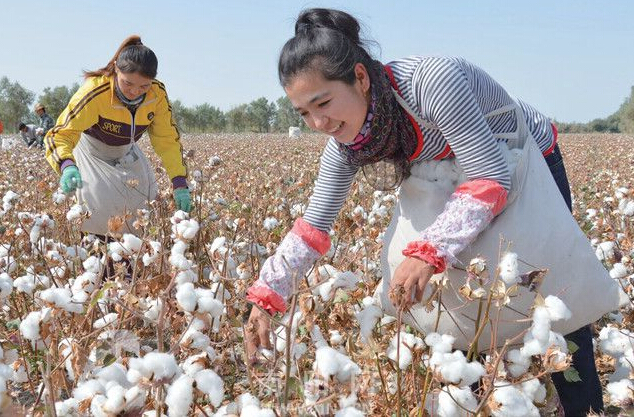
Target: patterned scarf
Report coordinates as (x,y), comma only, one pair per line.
(384,152)
(133,104)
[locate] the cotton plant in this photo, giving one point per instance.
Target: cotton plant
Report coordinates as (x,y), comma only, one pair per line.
(330,363)
(402,352)
(335,280)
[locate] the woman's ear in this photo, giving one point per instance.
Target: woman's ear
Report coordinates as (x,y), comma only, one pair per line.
(362,76)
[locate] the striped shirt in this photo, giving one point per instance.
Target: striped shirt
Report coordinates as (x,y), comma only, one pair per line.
(452,97)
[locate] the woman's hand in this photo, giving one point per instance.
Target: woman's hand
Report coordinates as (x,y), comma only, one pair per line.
(409,282)
(256,333)
(183,199)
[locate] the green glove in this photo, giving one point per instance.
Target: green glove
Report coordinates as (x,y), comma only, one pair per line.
(70,180)
(183,199)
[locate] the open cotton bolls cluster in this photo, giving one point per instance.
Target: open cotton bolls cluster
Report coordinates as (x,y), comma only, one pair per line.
(180,394)
(409,342)
(512,401)
(249,406)
(270,223)
(618,271)
(456,402)
(61,298)
(368,317)
(187,229)
(331,363)
(156,250)
(7,201)
(30,325)
(336,280)
(6,286)
(539,338)
(621,392)
(453,367)
(605,250)
(153,366)
(30,281)
(200,300)
(75,212)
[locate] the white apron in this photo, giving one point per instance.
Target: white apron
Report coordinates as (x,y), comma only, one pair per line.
(116,180)
(540,229)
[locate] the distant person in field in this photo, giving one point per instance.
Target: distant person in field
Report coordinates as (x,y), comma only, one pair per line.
(29,133)
(46,123)
(93,145)
(339,90)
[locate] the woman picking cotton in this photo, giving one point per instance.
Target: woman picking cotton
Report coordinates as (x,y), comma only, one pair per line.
(414,114)
(93,145)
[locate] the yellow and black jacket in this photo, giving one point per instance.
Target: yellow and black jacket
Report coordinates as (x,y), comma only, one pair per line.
(96,111)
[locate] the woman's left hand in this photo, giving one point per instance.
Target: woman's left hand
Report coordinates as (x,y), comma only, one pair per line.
(409,282)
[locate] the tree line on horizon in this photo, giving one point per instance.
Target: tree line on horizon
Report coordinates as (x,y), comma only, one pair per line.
(259,116)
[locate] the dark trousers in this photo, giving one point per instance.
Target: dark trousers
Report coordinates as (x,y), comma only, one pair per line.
(577,398)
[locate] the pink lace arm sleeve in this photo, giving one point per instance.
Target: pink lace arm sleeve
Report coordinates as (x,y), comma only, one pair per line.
(467,213)
(279,275)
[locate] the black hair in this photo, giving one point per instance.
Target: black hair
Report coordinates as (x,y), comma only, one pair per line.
(131,57)
(21,126)
(326,40)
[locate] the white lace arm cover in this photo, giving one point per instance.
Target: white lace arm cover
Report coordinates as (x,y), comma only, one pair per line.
(467,213)
(280,274)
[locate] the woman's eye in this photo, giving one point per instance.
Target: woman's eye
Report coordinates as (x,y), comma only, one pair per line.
(323,104)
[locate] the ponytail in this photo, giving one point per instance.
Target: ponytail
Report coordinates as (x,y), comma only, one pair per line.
(131,57)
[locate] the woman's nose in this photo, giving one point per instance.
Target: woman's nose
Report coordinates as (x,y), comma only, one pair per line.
(320,122)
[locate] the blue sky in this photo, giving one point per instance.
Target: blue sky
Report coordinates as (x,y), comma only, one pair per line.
(572,59)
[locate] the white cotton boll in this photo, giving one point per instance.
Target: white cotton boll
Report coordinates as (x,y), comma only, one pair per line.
(208,304)
(557,309)
(179,262)
(20,376)
(6,285)
(367,318)
(88,389)
(186,297)
(508,268)
(61,298)
(454,402)
(605,250)
(186,276)
(440,343)
(30,326)
(513,403)
(404,354)
(96,406)
(214,160)
(534,390)
(211,384)
(115,372)
(455,369)
(135,398)
(92,264)
(180,397)
(179,248)
(195,363)
(131,243)
(24,284)
(626,207)
(618,271)
(75,212)
(154,307)
(615,342)
(349,412)
(115,402)
(297,210)
(217,243)
(156,365)
(621,392)
(270,223)
(518,363)
(67,408)
(540,328)
(187,229)
(253,411)
(105,320)
(329,362)
(335,338)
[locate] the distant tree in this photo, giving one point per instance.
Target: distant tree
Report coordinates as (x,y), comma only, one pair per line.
(208,118)
(286,116)
(260,115)
(237,118)
(14,104)
(55,99)
(626,114)
(178,111)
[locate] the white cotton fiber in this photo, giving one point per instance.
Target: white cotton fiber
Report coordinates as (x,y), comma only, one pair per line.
(508,268)
(454,402)
(211,384)
(180,397)
(621,392)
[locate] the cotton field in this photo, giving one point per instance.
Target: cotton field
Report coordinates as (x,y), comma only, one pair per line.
(153,323)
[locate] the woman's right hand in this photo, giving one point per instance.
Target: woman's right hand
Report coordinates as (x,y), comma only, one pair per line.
(70,179)
(257,333)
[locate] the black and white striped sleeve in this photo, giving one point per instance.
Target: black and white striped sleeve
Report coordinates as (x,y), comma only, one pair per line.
(442,87)
(331,188)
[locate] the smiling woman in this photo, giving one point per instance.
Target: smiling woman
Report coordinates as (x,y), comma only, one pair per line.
(93,145)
